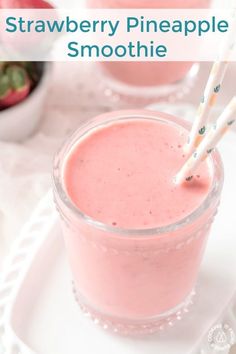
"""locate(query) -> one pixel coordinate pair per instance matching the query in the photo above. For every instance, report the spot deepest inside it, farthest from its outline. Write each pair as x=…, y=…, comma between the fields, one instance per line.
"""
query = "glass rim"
x=60, y=191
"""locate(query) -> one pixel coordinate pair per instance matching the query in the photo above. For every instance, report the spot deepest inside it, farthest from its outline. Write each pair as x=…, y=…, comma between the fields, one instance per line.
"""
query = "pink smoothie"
x=148, y=73
x=122, y=175
x=132, y=255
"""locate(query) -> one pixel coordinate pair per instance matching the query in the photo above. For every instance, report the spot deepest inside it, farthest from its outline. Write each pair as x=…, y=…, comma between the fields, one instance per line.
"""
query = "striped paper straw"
x=210, y=141
x=212, y=90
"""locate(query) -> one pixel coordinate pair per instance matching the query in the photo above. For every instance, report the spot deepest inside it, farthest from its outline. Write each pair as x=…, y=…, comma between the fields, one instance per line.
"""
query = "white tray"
x=38, y=313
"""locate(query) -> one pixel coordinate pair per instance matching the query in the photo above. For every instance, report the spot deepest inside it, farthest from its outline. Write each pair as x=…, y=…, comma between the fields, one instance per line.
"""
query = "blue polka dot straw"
x=208, y=144
x=212, y=90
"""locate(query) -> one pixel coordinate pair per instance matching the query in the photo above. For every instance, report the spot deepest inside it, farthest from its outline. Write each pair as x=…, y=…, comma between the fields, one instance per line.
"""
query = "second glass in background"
x=144, y=82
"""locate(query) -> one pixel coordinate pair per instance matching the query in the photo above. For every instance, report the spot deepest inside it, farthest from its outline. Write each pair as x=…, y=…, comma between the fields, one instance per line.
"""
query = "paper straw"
x=212, y=90
x=225, y=121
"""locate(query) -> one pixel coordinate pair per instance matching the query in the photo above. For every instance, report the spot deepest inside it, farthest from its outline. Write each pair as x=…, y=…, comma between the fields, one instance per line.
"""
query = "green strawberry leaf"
x=32, y=70
x=17, y=76
x=5, y=86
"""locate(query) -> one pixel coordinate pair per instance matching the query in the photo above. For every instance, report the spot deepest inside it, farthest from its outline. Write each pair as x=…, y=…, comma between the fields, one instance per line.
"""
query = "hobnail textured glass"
x=134, y=281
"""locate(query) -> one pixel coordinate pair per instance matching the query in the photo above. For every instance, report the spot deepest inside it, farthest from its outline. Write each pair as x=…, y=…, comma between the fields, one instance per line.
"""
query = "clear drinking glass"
x=143, y=82
x=134, y=281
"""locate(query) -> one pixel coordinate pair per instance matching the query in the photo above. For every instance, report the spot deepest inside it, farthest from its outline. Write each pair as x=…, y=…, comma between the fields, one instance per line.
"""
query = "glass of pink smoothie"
x=134, y=238
x=147, y=81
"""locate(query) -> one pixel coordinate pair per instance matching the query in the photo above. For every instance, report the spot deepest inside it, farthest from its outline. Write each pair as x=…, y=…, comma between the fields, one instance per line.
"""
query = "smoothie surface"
x=122, y=175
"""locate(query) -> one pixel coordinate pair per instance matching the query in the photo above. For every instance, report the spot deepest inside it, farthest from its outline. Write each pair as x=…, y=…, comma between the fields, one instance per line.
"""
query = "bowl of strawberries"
x=23, y=87
x=23, y=90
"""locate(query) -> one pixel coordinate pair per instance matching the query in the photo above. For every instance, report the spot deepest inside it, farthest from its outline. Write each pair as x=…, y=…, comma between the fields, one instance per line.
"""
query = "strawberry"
x=15, y=85
x=30, y=44
x=25, y=4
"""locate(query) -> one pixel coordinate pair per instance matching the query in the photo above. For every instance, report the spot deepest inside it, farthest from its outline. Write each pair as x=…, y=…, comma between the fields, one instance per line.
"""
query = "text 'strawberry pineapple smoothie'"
x=147, y=74
x=134, y=238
